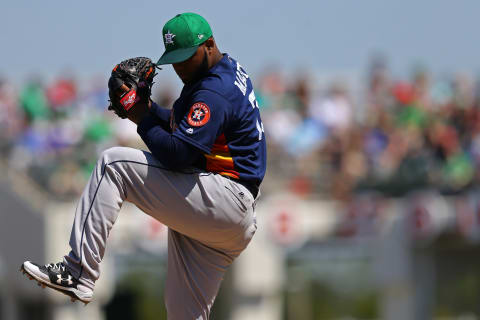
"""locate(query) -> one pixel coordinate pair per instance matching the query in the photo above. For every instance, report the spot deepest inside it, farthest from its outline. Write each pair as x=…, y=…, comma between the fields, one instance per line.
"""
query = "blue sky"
x=89, y=37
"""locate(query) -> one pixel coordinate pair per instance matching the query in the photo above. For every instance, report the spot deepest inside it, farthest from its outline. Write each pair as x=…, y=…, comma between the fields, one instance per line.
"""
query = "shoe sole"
x=43, y=284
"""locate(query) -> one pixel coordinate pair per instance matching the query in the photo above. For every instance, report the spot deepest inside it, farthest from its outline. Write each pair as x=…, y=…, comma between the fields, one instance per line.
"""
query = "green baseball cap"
x=182, y=35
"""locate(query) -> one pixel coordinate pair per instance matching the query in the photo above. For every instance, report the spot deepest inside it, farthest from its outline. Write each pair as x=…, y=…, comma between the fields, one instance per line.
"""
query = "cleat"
x=59, y=278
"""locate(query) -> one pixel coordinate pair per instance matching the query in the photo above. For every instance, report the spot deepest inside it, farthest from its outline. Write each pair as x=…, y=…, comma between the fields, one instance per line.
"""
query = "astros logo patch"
x=199, y=114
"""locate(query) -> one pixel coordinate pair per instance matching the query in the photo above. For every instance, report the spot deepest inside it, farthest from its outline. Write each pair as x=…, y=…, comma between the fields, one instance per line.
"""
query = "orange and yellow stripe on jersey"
x=220, y=160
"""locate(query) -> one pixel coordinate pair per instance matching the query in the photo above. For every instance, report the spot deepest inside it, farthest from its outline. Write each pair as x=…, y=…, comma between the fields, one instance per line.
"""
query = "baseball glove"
x=131, y=81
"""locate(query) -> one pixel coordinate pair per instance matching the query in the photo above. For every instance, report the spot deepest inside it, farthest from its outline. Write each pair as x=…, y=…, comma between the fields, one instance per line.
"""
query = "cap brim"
x=176, y=56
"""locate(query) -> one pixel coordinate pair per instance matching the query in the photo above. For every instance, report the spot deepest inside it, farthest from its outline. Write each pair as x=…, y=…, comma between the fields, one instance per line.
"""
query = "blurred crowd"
x=55, y=131
x=392, y=135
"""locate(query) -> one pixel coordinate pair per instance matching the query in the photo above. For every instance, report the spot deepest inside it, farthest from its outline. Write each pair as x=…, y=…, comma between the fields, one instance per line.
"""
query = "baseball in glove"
x=131, y=81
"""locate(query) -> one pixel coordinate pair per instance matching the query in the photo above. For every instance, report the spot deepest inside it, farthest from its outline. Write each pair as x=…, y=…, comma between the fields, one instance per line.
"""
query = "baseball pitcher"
x=201, y=177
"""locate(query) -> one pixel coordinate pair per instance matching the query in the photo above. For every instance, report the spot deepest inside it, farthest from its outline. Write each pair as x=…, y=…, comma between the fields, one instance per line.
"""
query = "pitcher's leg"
x=95, y=215
x=194, y=274
x=123, y=174
x=198, y=205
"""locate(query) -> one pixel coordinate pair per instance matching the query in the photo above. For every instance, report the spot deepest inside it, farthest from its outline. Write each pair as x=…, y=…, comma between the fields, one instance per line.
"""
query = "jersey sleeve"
x=171, y=152
x=162, y=114
x=204, y=120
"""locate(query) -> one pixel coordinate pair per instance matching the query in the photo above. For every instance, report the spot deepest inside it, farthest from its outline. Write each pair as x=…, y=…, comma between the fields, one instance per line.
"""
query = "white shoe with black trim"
x=56, y=276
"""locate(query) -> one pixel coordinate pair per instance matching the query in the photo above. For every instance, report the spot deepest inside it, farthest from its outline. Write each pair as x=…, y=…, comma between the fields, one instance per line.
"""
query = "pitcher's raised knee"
x=114, y=154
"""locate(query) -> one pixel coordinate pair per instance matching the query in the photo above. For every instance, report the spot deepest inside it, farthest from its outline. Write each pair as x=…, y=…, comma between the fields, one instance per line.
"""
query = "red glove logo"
x=129, y=99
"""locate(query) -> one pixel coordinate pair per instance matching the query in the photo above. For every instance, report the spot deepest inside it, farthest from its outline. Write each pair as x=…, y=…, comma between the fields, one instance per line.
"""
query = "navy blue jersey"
x=219, y=115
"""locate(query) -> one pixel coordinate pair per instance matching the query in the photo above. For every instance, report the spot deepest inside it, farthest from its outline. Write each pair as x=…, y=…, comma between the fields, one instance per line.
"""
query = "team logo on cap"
x=169, y=37
x=199, y=114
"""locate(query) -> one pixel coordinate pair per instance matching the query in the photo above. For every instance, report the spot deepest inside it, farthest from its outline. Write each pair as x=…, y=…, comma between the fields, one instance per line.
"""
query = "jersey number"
x=254, y=103
x=253, y=100
x=260, y=129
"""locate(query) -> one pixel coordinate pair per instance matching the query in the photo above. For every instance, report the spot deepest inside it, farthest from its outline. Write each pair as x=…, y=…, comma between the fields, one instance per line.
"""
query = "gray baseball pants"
x=210, y=222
